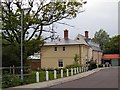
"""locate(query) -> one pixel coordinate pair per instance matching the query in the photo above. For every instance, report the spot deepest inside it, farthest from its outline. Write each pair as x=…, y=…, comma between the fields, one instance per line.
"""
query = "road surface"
x=106, y=78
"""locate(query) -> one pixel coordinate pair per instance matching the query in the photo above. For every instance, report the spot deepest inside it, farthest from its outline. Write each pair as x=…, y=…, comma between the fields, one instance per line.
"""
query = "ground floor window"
x=60, y=63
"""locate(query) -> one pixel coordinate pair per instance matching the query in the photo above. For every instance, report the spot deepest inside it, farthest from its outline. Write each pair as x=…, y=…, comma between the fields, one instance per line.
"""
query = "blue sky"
x=98, y=14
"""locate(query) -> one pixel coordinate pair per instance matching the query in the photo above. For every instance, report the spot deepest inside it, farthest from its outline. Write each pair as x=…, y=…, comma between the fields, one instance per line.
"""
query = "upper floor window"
x=63, y=48
x=55, y=49
x=78, y=38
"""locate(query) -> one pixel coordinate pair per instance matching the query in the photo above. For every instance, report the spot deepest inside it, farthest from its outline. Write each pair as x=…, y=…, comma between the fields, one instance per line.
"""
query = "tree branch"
x=33, y=33
x=41, y=29
x=6, y=38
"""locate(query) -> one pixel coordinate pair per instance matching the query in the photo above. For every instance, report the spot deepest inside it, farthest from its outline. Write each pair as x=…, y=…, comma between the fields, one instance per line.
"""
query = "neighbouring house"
x=87, y=55
x=93, y=49
x=112, y=59
x=96, y=51
x=35, y=61
x=60, y=53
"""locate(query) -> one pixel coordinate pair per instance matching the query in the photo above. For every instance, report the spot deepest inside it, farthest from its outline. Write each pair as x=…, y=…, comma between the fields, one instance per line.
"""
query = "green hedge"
x=72, y=66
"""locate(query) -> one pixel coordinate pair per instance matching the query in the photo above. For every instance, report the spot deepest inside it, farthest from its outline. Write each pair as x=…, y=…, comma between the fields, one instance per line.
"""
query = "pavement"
x=46, y=84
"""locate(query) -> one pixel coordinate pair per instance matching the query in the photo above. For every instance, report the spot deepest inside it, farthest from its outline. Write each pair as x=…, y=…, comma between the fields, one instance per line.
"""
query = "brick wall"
x=35, y=64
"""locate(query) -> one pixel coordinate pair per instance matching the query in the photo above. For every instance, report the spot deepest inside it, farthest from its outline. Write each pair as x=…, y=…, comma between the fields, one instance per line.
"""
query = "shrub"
x=92, y=65
x=100, y=65
x=10, y=81
x=72, y=66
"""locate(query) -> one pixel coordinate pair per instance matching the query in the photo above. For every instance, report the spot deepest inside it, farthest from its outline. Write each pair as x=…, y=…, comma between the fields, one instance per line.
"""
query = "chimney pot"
x=86, y=34
x=65, y=34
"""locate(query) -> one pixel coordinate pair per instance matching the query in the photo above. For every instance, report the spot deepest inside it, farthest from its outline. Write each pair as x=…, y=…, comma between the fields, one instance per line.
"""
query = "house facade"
x=60, y=53
x=96, y=51
x=87, y=49
x=93, y=49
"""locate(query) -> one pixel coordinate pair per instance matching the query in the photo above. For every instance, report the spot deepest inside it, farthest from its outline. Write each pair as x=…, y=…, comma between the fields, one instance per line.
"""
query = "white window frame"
x=60, y=63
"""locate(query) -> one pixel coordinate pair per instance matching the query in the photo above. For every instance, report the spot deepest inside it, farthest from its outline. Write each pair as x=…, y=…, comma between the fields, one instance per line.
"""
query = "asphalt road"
x=106, y=78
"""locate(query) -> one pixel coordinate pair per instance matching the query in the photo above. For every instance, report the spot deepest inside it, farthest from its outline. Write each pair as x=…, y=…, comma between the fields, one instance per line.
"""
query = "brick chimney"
x=86, y=34
x=65, y=34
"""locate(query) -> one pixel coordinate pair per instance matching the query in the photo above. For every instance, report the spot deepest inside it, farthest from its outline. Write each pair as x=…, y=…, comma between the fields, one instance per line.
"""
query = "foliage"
x=72, y=66
x=100, y=65
x=112, y=46
x=11, y=53
x=76, y=59
x=46, y=13
x=101, y=37
x=75, y=64
x=10, y=81
x=92, y=65
x=30, y=17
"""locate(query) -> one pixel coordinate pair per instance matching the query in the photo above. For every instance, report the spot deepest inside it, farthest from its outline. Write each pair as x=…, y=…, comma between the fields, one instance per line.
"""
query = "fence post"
x=97, y=65
x=67, y=72
x=74, y=70
x=77, y=70
x=10, y=70
x=47, y=75
x=107, y=64
x=61, y=73
x=84, y=68
x=55, y=74
x=80, y=69
x=103, y=65
x=110, y=65
x=71, y=71
x=87, y=67
x=37, y=77
x=13, y=69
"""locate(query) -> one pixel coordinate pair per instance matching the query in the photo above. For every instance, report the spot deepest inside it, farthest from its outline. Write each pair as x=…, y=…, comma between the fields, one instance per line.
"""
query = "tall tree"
x=11, y=53
x=37, y=14
x=101, y=37
x=30, y=17
x=112, y=46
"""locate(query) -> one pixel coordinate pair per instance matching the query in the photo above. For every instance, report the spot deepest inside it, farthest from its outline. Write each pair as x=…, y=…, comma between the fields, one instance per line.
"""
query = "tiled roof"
x=111, y=56
x=79, y=40
x=63, y=42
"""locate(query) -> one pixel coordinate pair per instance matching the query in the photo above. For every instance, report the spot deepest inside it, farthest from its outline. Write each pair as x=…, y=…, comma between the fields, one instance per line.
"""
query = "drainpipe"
x=87, y=56
x=80, y=54
x=98, y=57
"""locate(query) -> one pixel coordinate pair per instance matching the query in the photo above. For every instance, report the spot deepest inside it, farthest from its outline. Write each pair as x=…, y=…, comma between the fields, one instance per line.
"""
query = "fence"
x=11, y=75
x=68, y=72
x=16, y=70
